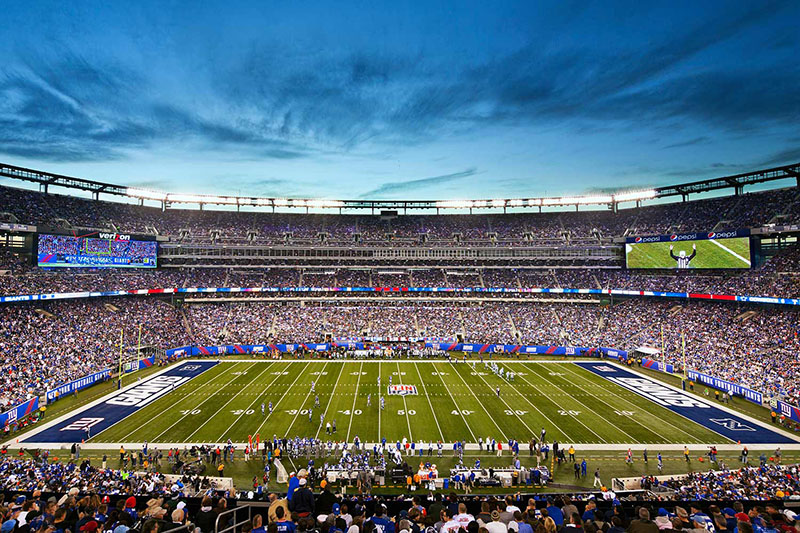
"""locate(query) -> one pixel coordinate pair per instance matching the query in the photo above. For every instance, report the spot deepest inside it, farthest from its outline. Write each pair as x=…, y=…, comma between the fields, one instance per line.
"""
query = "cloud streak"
x=416, y=185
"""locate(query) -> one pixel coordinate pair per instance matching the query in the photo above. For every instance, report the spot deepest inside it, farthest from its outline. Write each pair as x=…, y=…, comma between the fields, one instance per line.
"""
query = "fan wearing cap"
x=663, y=521
x=130, y=508
x=294, y=483
x=730, y=518
x=90, y=526
x=302, y=501
x=496, y=526
x=326, y=499
x=8, y=526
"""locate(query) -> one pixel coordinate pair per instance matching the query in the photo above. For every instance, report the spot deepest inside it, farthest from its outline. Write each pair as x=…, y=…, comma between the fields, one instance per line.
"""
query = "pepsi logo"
x=712, y=235
x=637, y=239
x=673, y=237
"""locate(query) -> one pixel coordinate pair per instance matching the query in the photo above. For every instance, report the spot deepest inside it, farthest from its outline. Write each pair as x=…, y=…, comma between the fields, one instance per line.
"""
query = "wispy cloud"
x=417, y=185
x=691, y=142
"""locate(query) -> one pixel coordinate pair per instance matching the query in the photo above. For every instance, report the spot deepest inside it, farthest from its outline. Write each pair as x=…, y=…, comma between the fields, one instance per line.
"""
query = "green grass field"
x=722, y=253
x=454, y=402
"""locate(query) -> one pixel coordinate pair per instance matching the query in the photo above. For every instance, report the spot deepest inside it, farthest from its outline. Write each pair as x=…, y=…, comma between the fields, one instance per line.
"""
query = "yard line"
x=330, y=399
x=633, y=439
x=252, y=403
x=422, y=381
x=542, y=413
x=228, y=402
x=458, y=407
x=477, y=400
x=275, y=407
x=305, y=400
x=405, y=405
x=734, y=254
x=505, y=403
x=379, y=404
x=633, y=405
x=355, y=397
x=234, y=376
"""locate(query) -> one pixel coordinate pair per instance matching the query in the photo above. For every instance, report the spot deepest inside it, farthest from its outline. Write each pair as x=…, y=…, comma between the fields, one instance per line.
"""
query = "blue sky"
x=415, y=100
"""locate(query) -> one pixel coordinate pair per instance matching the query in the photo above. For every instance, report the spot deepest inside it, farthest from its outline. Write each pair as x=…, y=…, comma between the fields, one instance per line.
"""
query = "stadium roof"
x=736, y=182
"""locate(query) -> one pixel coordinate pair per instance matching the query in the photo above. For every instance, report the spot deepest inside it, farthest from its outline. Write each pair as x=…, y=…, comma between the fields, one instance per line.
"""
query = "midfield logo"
x=403, y=390
x=731, y=424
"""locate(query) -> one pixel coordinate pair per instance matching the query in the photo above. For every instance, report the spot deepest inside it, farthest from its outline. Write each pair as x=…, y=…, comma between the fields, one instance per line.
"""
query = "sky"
x=399, y=100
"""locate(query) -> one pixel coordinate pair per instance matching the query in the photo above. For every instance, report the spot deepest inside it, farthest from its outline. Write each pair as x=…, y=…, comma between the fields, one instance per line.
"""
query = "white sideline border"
x=13, y=444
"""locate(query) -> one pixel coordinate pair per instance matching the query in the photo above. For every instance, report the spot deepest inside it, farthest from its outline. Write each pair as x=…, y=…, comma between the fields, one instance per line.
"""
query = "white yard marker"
x=267, y=367
x=425, y=390
x=258, y=397
x=734, y=254
x=181, y=418
x=330, y=401
x=355, y=397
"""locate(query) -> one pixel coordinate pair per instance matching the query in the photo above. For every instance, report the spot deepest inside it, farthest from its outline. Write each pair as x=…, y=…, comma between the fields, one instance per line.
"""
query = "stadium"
x=513, y=268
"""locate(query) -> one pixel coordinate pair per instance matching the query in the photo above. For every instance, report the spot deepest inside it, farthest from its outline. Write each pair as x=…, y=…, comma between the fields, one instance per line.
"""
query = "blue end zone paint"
x=706, y=414
x=120, y=404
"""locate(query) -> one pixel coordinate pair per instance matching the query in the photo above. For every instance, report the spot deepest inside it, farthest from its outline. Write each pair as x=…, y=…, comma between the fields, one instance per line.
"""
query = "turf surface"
x=722, y=253
x=454, y=402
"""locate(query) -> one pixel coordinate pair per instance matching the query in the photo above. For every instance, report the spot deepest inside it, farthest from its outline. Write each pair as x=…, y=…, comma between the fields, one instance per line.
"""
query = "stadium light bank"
x=202, y=199
x=45, y=180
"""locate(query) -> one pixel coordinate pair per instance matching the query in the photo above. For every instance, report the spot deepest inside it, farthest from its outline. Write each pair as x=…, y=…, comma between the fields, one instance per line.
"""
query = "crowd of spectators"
x=89, y=498
x=45, y=345
x=779, y=277
x=50, y=343
x=768, y=481
x=237, y=227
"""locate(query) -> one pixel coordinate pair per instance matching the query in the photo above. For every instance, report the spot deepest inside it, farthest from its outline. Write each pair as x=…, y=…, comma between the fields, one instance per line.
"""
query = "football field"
x=712, y=253
x=573, y=401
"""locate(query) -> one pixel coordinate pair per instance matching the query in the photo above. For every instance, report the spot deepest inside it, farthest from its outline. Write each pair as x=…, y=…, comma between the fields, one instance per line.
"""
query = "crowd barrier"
x=68, y=388
x=652, y=364
x=233, y=349
x=734, y=389
x=730, y=387
x=460, y=290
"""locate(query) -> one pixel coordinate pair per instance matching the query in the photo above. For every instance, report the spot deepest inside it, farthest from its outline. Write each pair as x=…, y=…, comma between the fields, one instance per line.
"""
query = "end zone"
x=734, y=426
x=101, y=414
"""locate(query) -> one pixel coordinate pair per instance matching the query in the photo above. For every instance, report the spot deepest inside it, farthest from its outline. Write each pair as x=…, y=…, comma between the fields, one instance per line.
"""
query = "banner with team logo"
x=789, y=411
x=727, y=386
x=577, y=351
x=18, y=412
x=68, y=388
x=652, y=364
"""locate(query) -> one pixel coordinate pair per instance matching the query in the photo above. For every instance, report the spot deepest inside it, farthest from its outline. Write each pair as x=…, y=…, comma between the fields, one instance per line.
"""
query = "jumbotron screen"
x=693, y=250
x=103, y=250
